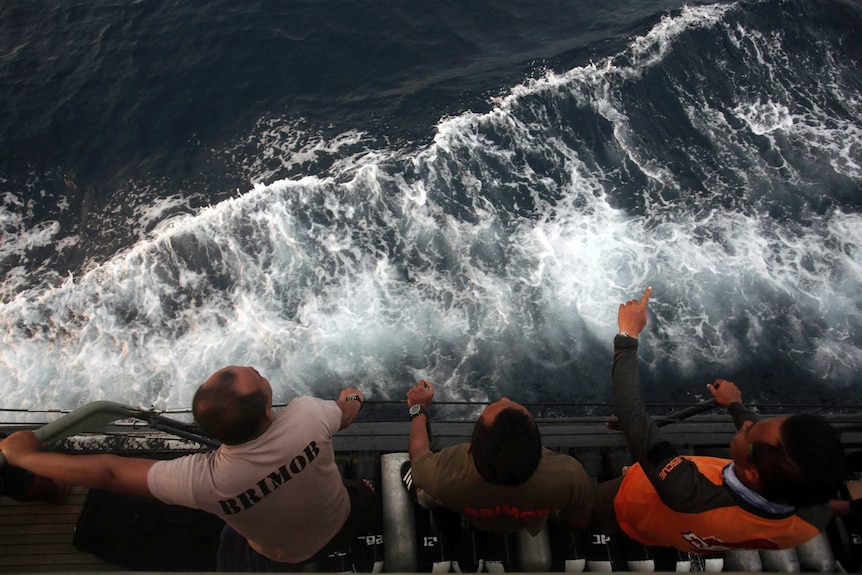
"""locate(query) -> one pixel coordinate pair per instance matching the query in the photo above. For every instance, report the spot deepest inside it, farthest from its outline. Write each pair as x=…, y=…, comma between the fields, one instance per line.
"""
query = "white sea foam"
x=503, y=244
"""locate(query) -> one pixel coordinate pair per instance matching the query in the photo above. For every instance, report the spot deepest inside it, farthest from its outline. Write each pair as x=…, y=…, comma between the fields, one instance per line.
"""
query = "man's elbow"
x=106, y=479
x=124, y=477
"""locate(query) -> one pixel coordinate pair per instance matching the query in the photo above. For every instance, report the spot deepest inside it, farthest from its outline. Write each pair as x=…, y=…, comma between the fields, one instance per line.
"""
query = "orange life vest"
x=642, y=515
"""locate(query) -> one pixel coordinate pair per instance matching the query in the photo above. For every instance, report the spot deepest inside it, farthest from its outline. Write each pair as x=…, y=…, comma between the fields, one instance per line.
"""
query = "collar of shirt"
x=750, y=496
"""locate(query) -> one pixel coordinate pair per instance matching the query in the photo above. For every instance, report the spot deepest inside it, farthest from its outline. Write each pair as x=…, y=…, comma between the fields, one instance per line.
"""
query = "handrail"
x=680, y=415
x=94, y=415
x=853, y=408
x=687, y=412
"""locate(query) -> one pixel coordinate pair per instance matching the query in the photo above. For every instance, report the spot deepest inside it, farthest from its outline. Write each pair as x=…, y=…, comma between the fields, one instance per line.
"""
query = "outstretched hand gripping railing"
x=94, y=415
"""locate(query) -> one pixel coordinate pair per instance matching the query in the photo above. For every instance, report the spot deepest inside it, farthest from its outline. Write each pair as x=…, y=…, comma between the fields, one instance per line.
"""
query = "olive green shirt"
x=559, y=483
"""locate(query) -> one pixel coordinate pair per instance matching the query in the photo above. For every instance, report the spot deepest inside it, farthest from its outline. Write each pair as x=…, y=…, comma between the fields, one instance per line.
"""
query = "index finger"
x=645, y=298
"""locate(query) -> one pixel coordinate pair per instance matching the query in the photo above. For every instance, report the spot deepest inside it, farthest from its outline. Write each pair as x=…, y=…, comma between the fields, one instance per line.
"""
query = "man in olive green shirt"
x=503, y=480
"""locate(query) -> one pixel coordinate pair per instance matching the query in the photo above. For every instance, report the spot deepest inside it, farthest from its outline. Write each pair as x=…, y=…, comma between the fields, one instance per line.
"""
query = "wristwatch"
x=416, y=410
x=354, y=397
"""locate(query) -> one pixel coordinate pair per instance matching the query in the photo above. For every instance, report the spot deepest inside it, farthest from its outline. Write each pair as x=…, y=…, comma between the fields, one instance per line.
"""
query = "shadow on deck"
x=37, y=537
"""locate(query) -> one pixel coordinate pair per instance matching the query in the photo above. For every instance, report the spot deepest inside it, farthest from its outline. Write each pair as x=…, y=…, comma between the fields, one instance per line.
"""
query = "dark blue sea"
x=368, y=193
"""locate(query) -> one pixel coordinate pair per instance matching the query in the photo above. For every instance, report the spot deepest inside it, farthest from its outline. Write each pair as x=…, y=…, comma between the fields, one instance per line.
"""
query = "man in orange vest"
x=773, y=494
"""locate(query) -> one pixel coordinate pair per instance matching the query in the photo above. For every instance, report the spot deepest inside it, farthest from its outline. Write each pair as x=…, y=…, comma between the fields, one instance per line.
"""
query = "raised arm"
x=677, y=480
x=640, y=430
x=350, y=401
x=118, y=474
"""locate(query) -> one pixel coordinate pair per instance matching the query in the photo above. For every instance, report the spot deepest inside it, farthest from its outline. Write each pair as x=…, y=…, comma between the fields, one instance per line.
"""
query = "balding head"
x=234, y=405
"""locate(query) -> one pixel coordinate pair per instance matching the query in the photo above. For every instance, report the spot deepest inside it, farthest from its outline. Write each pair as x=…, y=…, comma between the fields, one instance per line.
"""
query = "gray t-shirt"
x=282, y=491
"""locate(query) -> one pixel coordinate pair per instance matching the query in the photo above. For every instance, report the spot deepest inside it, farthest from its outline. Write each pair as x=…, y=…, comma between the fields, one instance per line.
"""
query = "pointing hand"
x=632, y=316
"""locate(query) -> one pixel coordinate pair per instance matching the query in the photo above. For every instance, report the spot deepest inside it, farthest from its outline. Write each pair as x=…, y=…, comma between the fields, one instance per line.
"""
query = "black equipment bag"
x=144, y=534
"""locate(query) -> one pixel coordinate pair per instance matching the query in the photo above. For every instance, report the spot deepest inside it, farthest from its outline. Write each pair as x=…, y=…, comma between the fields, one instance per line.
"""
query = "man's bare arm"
x=420, y=394
x=118, y=474
x=349, y=407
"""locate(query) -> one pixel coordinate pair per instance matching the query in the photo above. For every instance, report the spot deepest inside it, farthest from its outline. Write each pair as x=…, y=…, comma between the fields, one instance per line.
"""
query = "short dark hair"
x=808, y=465
x=506, y=452
x=224, y=413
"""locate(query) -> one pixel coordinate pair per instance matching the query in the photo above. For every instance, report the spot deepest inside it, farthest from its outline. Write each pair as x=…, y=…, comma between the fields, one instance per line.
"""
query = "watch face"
x=415, y=409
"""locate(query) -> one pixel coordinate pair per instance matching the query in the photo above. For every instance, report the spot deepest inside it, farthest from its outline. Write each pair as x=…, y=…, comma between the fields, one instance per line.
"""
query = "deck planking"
x=38, y=537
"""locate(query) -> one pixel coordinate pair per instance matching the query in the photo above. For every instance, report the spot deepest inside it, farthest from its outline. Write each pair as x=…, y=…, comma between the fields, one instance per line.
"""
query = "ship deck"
x=38, y=537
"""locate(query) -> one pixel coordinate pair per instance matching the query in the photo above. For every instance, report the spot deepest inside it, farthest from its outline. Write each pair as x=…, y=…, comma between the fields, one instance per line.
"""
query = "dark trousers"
x=235, y=554
x=604, y=516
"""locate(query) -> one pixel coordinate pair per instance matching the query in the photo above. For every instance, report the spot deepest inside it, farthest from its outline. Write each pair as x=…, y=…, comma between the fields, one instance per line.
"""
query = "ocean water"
x=366, y=193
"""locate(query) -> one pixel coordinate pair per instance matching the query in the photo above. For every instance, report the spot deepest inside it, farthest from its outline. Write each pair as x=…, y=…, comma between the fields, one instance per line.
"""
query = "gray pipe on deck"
x=400, y=549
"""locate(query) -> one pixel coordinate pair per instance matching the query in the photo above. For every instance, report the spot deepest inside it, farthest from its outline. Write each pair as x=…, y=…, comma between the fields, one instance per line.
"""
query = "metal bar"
x=99, y=413
x=674, y=417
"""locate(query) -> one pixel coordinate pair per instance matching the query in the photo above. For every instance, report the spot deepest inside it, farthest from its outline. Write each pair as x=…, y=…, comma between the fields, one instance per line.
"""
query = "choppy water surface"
x=400, y=193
